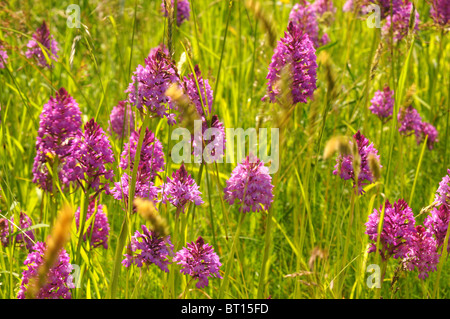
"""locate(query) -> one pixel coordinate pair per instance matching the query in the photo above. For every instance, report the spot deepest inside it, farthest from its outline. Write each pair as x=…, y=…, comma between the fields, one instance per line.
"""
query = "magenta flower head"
x=149, y=84
x=429, y=130
x=59, y=122
x=192, y=91
x=58, y=281
x=400, y=22
x=422, y=253
x=320, y=7
x=440, y=12
x=303, y=15
x=215, y=141
x=410, y=121
x=344, y=166
x=91, y=154
x=296, y=52
x=183, y=10
x=148, y=248
x=7, y=228
x=3, y=57
x=366, y=6
x=121, y=114
x=199, y=261
x=398, y=230
x=180, y=190
x=144, y=188
x=42, y=36
x=437, y=224
x=98, y=230
x=250, y=185
x=151, y=161
x=383, y=103
x=443, y=192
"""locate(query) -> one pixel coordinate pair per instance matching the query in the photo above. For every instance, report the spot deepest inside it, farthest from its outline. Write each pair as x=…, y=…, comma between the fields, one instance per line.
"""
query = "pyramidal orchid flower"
x=440, y=12
x=383, y=103
x=250, y=185
x=410, y=121
x=199, y=261
x=91, y=156
x=295, y=55
x=205, y=98
x=183, y=10
x=8, y=227
x=422, y=255
x=144, y=188
x=3, y=57
x=151, y=160
x=437, y=224
x=149, y=84
x=43, y=37
x=400, y=22
x=120, y=115
x=180, y=190
x=59, y=281
x=427, y=129
x=98, y=230
x=59, y=123
x=345, y=163
x=148, y=248
x=397, y=232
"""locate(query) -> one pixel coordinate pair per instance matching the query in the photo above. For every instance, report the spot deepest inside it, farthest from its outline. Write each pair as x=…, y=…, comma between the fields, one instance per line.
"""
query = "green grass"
x=315, y=247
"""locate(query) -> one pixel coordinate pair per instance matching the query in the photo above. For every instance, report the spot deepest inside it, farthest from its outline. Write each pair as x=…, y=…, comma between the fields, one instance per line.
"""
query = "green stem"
x=262, y=278
x=124, y=231
x=224, y=285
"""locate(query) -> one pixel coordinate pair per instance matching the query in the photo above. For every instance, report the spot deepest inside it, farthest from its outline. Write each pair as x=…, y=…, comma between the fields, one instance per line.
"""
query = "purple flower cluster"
x=183, y=10
x=251, y=185
x=98, y=230
x=59, y=122
x=59, y=281
x=397, y=232
x=422, y=253
x=411, y=122
x=180, y=190
x=199, y=261
x=119, y=114
x=400, y=22
x=344, y=166
x=147, y=248
x=365, y=6
x=23, y=238
x=143, y=189
x=150, y=82
x=192, y=91
x=383, y=103
x=295, y=51
x=215, y=148
x=42, y=36
x=3, y=57
x=400, y=238
x=320, y=7
x=151, y=161
x=443, y=192
x=90, y=153
x=437, y=222
x=440, y=12
x=303, y=15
